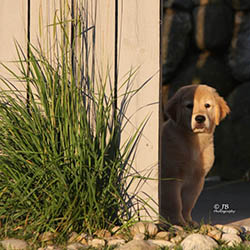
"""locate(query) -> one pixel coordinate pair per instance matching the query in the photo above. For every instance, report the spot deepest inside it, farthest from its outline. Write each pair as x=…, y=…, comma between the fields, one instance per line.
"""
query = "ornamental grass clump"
x=62, y=165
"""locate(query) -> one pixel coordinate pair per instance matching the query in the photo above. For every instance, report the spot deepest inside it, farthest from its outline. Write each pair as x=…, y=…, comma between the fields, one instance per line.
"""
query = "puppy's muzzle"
x=200, y=119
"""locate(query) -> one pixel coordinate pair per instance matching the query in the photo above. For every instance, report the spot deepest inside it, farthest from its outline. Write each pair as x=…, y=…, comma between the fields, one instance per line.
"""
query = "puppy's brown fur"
x=187, y=148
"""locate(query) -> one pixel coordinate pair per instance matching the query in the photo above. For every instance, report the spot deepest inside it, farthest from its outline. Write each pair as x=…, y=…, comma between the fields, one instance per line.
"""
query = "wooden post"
x=13, y=27
x=139, y=49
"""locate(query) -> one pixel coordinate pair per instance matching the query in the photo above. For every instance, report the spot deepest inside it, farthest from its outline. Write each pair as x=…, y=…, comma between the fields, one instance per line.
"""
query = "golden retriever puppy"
x=187, y=149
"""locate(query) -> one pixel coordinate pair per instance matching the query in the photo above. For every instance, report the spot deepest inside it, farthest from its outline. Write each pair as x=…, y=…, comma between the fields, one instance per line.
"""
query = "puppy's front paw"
x=179, y=222
x=193, y=224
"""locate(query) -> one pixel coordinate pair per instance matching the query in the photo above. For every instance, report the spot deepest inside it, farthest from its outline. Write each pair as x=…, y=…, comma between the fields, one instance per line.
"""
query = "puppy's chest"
x=202, y=159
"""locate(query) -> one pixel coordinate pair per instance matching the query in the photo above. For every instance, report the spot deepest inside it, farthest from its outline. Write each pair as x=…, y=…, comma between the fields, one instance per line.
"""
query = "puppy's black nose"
x=200, y=118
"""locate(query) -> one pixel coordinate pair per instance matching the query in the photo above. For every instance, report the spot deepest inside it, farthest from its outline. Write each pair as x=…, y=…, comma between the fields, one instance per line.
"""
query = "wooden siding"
x=137, y=23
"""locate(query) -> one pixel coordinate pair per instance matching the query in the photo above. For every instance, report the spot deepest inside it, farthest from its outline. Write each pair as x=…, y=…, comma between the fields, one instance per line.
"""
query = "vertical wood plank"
x=105, y=30
x=13, y=27
x=139, y=48
x=99, y=16
x=42, y=28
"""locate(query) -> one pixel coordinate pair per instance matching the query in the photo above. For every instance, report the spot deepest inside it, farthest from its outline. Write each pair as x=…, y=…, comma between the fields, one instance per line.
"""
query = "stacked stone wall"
x=208, y=42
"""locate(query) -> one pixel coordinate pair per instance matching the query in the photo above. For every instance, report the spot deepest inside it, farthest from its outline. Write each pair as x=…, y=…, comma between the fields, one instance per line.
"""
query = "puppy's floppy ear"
x=221, y=109
x=171, y=107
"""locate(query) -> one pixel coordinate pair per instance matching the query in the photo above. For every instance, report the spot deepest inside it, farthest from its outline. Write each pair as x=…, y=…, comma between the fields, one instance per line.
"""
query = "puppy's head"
x=197, y=108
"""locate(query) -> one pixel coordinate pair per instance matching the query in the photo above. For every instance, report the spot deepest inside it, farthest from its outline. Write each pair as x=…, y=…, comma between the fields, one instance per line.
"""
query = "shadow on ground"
x=224, y=203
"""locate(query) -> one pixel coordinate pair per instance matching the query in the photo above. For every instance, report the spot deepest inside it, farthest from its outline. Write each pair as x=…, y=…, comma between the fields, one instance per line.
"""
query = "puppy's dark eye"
x=190, y=105
x=207, y=105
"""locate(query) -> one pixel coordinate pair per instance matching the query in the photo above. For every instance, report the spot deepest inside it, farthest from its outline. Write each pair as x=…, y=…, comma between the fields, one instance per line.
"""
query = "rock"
x=97, y=243
x=179, y=4
x=228, y=229
x=138, y=245
x=14, y=244
x=72, y=238
x=163, y=235
x=139, y=227
x=206, y=228
x=241, y=4
x=203, y=68
x=151, y=229
x=162, y=243
x=213, y=26
x=116, y=242
x=215, y=234
x=50, y=248
x=246, y=243
x=246, y=228
x=75, y=237
x=47, y=236
x=176, y=228
x=198, y=242
x=115, y=229
x=82, y=238
x=103, y=233
x=76, y=246
x=176, y=30
x=238, y=228
x=239, y=53
x=176, y=240
x=83, y=241
x=53, y=248
x=122, y=235
x=182, y=234
x=231, y=239
x=139, y=236
x=207, y=2
x=232, y=164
